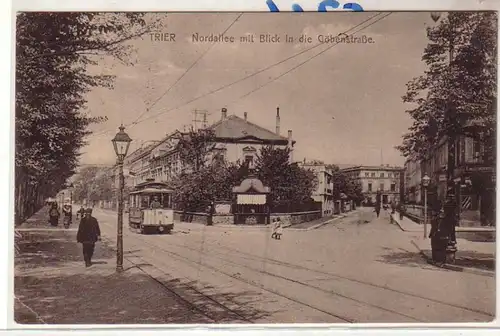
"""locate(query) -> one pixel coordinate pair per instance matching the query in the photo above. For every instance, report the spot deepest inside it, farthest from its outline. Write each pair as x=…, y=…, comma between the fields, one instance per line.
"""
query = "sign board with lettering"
x=223, y=208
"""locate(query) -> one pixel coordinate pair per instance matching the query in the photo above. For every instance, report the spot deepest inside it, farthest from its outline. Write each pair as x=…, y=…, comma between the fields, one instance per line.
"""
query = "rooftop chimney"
x=245, y=115
x=224, y=113
x=277, y=120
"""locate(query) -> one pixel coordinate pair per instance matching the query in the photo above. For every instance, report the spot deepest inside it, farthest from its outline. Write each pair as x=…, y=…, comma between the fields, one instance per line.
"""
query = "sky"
x=343, y=106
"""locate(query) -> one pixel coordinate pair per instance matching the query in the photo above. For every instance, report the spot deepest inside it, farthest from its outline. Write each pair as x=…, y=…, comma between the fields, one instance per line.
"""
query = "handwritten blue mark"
x=272, y=6
x=327, y=3
x=353, y=6
x=321, y=6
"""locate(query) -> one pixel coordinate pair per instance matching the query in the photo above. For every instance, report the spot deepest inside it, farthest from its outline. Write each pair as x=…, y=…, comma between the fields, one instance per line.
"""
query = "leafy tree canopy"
x=288, y=182
x=470, y=79
x=53, y=55
x=94, y=183
x=195, y=147
x=345, y=184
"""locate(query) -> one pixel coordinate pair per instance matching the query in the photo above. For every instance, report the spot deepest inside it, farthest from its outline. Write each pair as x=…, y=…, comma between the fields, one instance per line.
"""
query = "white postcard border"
x=6, y=239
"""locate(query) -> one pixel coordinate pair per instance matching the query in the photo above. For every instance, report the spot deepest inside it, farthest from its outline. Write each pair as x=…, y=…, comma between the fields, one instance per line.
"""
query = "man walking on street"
x=88, y=233
x=378, y=201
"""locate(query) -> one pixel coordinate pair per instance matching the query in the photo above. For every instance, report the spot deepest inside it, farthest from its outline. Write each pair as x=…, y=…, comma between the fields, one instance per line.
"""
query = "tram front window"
x=167, y=204
x=155, y=203
x=144, y=201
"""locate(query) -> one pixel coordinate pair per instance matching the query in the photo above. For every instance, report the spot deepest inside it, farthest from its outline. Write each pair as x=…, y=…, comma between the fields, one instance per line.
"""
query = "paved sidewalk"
x=407, y=224
x=53, y=286
x=472, y=256
x=320, y=222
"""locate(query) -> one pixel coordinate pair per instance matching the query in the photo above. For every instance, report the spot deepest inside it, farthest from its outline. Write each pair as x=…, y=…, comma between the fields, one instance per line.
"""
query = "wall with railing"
x=287, y=219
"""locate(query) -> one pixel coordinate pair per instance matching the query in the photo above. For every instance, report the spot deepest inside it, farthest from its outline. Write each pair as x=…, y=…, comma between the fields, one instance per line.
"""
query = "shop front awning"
x=251, y=199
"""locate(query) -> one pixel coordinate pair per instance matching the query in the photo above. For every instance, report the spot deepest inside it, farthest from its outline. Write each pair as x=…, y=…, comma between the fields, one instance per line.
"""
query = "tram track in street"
x=192, y=305
x=250, y=256
x=252, y=283
x=232, y=276
x=331, y=293
x=211, y=253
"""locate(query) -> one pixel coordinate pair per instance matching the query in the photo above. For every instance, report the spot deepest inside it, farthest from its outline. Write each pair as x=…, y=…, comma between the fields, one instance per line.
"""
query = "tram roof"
x=152, y=191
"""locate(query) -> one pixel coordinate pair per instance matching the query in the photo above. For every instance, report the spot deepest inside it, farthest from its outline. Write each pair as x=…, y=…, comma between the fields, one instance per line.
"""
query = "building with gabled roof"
x=239, y=140
x=236, y=140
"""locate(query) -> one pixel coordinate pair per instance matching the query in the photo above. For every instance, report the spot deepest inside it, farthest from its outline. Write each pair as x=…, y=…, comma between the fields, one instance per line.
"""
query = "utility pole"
x=196, y=114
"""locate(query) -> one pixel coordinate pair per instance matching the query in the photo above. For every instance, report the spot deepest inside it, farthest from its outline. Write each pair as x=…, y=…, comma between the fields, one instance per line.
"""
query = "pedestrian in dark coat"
x=54, y=215
x=80, y=213
x=378, y=201
x=88, y=233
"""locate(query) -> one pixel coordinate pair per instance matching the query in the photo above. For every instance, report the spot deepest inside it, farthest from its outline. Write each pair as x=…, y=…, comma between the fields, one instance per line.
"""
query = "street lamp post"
x=425, y=183
x=450, y=202
x=121, y=143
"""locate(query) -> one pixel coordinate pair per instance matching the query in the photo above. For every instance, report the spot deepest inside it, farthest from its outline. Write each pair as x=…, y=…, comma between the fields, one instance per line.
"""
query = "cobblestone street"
x=355, y=269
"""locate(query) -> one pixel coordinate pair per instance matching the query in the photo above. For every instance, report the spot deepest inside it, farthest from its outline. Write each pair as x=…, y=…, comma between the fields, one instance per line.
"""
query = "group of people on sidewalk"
x=89, y=231
x=54, y=214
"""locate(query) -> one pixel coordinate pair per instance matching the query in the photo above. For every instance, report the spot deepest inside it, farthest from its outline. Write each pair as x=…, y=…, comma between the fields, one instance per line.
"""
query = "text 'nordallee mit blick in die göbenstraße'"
x=277, y=38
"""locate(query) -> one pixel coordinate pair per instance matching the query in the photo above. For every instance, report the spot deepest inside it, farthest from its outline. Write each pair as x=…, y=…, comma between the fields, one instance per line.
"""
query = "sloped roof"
x=234, y=127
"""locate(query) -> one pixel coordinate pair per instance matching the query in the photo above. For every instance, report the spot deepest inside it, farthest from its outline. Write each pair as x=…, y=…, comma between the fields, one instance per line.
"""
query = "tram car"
x=150, y=208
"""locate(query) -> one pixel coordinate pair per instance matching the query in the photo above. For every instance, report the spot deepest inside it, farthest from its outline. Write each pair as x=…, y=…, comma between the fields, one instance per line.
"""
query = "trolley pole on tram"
x=121, y=143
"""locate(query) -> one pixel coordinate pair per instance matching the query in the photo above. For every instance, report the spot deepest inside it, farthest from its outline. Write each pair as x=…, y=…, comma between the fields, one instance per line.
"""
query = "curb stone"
x=393, y=220
x=453, y=267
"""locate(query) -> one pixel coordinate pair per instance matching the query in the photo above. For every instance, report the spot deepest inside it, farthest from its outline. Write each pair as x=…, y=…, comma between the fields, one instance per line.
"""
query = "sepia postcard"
x=252, y=168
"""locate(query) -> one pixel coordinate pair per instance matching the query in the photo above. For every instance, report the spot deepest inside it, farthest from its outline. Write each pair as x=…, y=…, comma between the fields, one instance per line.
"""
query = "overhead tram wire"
x=135, y=122
x=307, y=60
x=185, y=73
x=255, y=73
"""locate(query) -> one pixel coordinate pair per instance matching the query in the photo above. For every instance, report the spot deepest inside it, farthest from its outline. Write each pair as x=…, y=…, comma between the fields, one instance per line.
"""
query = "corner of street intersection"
x=353, y=269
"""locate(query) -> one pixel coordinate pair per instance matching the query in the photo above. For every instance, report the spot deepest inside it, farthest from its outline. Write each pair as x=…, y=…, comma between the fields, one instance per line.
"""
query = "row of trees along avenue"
x=54, y=52
x=466, y=85
x=95, y=183
x=211, y=178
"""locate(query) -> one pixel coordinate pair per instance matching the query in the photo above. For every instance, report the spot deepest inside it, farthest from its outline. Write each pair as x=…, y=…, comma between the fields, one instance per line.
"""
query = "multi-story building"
x=136, y=164
x=474, y=177
x=324, y=189
x=236, y=140
x=413, y=181
x=385, y=179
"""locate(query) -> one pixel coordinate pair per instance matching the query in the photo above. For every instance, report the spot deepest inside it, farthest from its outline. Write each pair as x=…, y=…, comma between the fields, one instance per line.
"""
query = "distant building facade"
x=324, y=189
x=375, y=178
x=413, y=181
